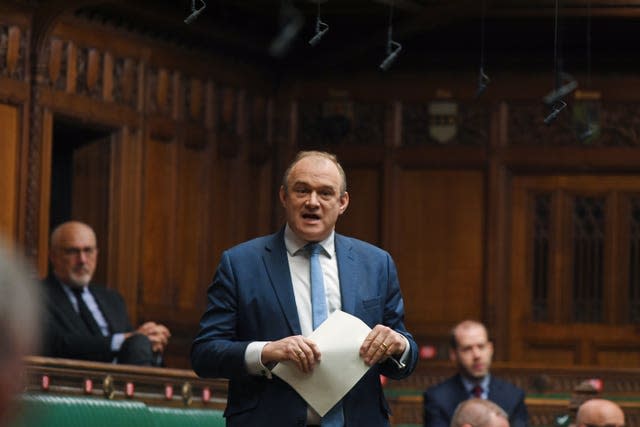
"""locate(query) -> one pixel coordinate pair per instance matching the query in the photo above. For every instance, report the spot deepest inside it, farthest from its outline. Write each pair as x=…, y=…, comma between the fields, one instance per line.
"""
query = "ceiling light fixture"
x=194, y=12
x=321, y=29
x=393, y=48
x=564, y=83
x=483, y=79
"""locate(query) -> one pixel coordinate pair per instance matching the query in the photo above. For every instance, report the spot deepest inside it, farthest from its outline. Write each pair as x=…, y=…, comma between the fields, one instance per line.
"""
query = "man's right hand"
x=298, y=349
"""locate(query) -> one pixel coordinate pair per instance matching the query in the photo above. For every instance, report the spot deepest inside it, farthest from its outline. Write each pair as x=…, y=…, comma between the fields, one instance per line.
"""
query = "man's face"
x=74, y=254
x=473, y=353
x=313, y=201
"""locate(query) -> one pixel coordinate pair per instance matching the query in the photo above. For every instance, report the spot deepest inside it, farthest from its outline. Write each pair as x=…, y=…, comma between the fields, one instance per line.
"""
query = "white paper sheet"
x=339, y=339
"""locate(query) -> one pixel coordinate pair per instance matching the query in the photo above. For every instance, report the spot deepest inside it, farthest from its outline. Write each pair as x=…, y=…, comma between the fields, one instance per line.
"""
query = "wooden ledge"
x=151, y=385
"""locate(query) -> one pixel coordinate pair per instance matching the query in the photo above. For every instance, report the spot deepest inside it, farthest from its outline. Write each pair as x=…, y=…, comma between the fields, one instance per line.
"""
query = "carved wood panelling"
x=620, y=125
x=340, y=122
x=89, y=72
x=614, y=125
x=125, y=78
x=526, y=126
x=13, y=52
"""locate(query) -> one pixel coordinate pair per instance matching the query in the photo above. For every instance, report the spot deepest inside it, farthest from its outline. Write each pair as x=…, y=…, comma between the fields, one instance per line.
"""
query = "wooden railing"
x=551, y=391
x=153, y=386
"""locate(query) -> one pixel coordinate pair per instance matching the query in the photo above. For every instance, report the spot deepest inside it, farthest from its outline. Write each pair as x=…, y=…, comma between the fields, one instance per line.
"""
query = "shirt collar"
x=70, y=288
x=484, y=383
x=295, y=244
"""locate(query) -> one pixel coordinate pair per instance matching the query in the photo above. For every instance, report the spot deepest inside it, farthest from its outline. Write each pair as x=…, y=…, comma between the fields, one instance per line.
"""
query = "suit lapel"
x=60, y=298
x=347, y=272
x=277, y=266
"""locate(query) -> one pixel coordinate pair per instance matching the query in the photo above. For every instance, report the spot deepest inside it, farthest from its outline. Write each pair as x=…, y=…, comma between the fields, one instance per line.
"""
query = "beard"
x=81, y=277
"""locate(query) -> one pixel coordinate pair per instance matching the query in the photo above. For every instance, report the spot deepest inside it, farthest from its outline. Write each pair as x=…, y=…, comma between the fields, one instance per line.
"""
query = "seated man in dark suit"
x=472, y=352
x=90, y=322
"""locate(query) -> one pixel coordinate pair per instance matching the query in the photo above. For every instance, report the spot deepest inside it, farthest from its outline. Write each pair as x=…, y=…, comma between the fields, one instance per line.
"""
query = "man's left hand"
x=381, y=343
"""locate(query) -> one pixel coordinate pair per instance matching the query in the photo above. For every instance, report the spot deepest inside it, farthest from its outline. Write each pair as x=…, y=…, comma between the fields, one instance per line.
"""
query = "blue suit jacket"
x=251, y=299
x=441, y=400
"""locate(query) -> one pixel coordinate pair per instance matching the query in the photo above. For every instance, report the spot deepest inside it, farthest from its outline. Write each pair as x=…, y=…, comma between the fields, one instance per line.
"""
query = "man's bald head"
x=479, y=413
x=601, y=413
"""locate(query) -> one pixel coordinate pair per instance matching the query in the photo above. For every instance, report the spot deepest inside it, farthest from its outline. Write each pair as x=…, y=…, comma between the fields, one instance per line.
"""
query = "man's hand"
x=381, y=343
x=300, y=350
x=157, y=333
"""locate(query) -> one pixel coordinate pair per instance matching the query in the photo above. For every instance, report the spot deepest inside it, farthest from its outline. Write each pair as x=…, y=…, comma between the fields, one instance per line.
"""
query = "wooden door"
x=575, y=287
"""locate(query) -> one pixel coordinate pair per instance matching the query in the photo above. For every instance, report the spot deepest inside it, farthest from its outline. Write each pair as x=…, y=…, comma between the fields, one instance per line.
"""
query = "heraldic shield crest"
x=443, y=121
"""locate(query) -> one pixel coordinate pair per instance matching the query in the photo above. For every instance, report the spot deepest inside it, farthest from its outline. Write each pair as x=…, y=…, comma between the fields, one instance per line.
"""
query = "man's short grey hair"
x=322, y=154
x=477, y=413
x=20, y=306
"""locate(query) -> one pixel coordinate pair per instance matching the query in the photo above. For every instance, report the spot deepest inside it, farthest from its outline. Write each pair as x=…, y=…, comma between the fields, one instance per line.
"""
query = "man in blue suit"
x=472, y=352
x=259, y=308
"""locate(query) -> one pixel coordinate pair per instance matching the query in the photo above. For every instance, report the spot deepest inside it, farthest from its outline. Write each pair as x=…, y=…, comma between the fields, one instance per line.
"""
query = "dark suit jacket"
x=251, y=299
x=66, y=335
x=441, y=400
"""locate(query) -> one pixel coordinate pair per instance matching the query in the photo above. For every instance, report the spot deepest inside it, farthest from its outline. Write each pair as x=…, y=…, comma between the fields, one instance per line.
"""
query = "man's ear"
x=452, y=355
x=344, y=202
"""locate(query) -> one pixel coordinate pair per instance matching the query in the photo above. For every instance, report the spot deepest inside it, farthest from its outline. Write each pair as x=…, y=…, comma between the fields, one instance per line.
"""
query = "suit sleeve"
x=520, y=415
x=394, y=319
x=434, y=414
x=216, y=352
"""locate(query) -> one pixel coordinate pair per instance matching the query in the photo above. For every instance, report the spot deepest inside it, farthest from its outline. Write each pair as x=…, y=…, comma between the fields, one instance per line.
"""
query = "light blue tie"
x=318, y=298
x=335, y=417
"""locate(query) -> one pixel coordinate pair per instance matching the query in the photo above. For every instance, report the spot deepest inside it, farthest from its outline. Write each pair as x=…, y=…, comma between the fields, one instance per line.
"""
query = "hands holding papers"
x=339, y=340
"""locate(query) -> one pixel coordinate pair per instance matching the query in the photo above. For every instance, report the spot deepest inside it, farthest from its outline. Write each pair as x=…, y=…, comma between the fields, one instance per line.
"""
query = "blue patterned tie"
x=335, y=417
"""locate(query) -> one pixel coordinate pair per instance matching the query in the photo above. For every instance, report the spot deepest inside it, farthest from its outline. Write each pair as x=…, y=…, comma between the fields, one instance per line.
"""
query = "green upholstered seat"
x=40, y=410
x=177, y=417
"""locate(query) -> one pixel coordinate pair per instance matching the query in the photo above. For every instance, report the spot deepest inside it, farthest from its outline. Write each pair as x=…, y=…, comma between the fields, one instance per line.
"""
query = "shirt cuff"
x=253, y=359
x=116, y=342
x=401, y=363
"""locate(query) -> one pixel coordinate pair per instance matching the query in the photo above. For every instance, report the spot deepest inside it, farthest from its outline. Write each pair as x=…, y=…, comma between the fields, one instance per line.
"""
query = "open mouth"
x=311, y=217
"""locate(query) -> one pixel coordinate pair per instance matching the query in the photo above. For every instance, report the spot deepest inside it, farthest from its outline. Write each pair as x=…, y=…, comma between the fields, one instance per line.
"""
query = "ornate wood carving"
x=340, y=122
x=616, y=124
x=12, y=52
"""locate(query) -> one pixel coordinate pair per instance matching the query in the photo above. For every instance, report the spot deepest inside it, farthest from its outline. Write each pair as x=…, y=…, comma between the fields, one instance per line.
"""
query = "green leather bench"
x=42, y=410
x=175, y=417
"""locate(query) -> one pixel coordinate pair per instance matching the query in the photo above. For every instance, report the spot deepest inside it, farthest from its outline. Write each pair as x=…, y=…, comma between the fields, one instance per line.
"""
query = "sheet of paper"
x=339, y=339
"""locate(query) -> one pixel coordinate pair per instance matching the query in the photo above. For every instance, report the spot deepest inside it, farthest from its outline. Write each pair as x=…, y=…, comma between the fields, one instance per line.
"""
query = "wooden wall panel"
x=158, y=224
x=9, y=140
x=90, y=195
x=439, y=240
x=191, y=228
x=362, y=217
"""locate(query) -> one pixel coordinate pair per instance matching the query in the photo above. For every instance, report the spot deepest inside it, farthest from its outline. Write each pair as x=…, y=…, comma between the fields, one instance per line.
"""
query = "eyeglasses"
x=73, y=251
